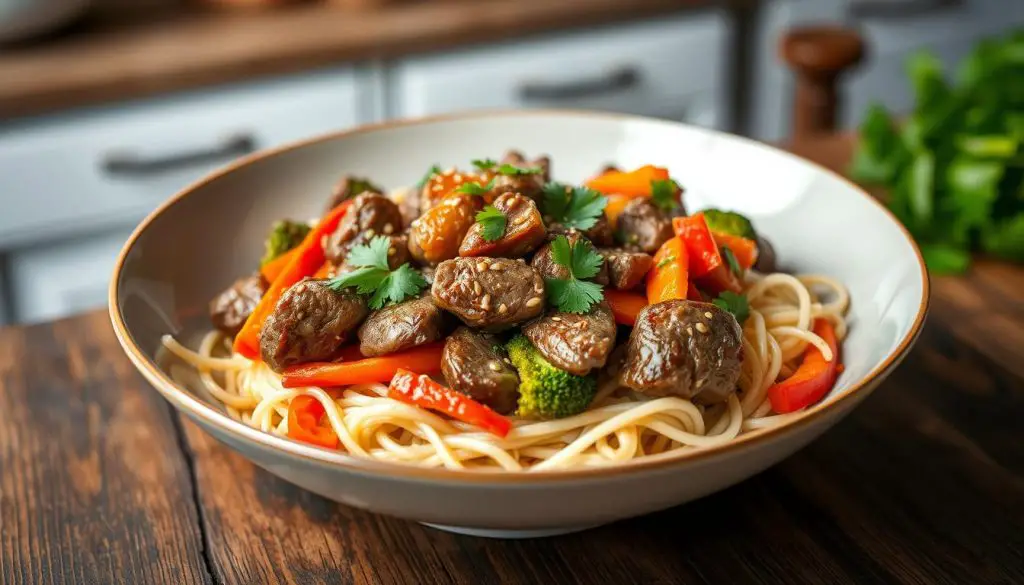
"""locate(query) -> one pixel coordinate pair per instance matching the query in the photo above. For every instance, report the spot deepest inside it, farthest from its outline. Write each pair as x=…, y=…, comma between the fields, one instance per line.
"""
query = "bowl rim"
x=196, y=408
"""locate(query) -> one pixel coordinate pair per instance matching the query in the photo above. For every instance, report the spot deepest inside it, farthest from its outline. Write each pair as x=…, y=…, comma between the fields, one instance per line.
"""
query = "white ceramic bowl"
x=207, y=235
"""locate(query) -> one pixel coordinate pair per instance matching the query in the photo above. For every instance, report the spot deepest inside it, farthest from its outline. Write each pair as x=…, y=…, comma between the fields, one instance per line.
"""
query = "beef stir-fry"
x=493, y=291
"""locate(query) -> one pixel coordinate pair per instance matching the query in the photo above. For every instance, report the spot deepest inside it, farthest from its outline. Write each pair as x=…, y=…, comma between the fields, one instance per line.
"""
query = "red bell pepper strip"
x=308, y=258
x=424, y=358
x=306, y=418
x=706, y=263
x=625, y=305
x=636, y=183
x=743, y=249
x=420, y=390
x=669, y=278
x=692, y=294
x=813, y=379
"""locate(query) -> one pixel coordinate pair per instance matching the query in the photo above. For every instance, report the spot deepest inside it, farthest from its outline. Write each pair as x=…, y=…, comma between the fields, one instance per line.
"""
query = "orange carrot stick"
x=425, y=359
x=625, y=305
x=669, y=279
x=636, y=183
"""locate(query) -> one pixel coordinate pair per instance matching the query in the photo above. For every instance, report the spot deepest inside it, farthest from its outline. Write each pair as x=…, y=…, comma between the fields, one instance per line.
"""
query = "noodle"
x=619, y=426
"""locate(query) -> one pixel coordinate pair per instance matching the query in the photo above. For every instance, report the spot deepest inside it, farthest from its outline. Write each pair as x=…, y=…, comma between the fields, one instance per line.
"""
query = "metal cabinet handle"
x=899, y=9
x=617, y=80
x=135, y=165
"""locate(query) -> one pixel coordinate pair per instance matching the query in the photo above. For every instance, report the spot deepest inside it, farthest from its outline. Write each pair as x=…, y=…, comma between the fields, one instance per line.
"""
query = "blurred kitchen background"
x=107, y=107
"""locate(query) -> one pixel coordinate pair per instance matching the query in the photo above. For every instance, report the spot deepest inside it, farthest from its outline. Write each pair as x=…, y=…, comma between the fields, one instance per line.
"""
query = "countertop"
x=101, y=481
x=133, y=53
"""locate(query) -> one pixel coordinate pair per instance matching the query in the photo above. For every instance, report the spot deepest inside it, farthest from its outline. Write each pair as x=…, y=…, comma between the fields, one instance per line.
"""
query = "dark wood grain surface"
x=100, y=482
x=123, y=54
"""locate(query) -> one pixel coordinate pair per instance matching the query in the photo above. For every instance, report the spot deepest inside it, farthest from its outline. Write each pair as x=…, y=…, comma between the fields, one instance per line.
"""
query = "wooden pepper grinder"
x=819, y=55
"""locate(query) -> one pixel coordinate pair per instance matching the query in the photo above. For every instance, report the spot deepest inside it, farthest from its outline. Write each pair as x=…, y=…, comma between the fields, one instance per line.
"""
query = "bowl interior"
x=818, y=222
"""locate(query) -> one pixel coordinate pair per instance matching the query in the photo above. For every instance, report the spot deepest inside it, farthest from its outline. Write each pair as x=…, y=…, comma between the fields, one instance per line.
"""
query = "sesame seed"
x=507, y=361
x=702, y=328
x=392, y=251
x=521, y=261
x=436, y=188
x=539, y=288
x=708, y=314
x=556, y=318
x=497, y=266
x=485, y=302
x=521, y=220
x=481, y=266
x=476, y=287
x=457, y=177
x=533, y=302
x=502, y=308
x=388, y=228
x=370, y=232
x=689, y=330
x=494, y=366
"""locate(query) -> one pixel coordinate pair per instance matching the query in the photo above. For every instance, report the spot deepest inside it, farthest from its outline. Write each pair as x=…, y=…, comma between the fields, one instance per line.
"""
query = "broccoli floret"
x=545, y=391
x=730, y=222
x=284, y=235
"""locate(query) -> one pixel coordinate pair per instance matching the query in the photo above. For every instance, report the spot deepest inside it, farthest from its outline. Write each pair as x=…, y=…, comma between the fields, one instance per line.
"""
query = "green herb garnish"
x=735, y=304
x=514, y=170
x=374, y=277
x=578, y=207
x=665, y=193
x=474, y=188
x=284, y=235
x=730, y=259
x=953, y=169
x=668, y=259
x=484, y=164
x=574, y=295
x=493, y=222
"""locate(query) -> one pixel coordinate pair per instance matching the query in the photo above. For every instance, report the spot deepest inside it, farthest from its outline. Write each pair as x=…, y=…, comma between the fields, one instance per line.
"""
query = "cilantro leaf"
x=730, y=259
x=493, y=222
x=513, y=170
x=484, y=164
x=578, y=207
x=734, y=303
x=664, y=193
x=573, y=295
x=474, y=188
x=434, y=170
x=372, y=275
x=668, y=259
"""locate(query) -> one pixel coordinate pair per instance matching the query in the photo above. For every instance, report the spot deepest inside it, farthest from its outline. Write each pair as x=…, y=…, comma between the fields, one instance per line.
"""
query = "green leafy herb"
x=668, y=259
x=573, y=294
x=374, y=277
x=730, y=259
x=493, y=222
x=484, y=164
x=578, y=207
x=514, y=170
x=954, y=168
x=434, y=170
x=665, y=193
x=734, y=303
x=474, y=188
x=284, y=235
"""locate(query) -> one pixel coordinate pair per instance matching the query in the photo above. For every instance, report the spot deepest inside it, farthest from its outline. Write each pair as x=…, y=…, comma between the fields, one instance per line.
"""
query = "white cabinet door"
x=49, y=282
x=674, y=68
x=78, y=173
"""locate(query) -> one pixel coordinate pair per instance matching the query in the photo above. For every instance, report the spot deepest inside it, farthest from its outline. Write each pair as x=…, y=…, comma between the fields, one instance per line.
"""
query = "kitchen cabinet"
x=675, y=68
x=74, y=185
x=893, y=31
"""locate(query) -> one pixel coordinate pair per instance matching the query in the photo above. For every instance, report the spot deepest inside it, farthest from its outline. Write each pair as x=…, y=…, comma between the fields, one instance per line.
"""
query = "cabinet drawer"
x=72, y=174
x=675, y=68
x=53, y=281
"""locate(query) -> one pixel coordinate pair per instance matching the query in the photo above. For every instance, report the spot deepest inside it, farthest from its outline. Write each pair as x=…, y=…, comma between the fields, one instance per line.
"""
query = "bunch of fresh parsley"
x=374, y=277
x=574, y=294
x=573, y=207
x=954, y=169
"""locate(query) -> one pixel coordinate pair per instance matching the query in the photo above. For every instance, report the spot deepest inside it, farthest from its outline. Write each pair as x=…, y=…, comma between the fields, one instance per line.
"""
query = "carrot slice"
x=669, y=279
x=745, y=250
x=272, y=269
x=626, y=306
x=305, y=423
x=308, y=258
x=425, y=358
x=636, y=183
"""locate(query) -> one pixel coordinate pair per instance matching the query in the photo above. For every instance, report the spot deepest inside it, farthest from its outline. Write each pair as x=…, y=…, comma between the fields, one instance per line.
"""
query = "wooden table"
x=102, y=482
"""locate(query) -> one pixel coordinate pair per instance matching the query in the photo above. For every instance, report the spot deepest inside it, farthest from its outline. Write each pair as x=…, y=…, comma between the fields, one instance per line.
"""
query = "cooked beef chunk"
x=398, y=251
x=491, y=294
x=348, y=187
x=309, y=323
x=436, y=235
x=545, y=265
x=515, y=157
x=428, y=274
x=524, y=230
x=572, y=342
x=765, y=256
x=600, y=234
x=529, y=185
x=643, y=227
x=626, y=270
x=474, y=363
x=684, y=348
x=401, y=326
x=408, y=202
x=370, y=214
x=230, y=309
